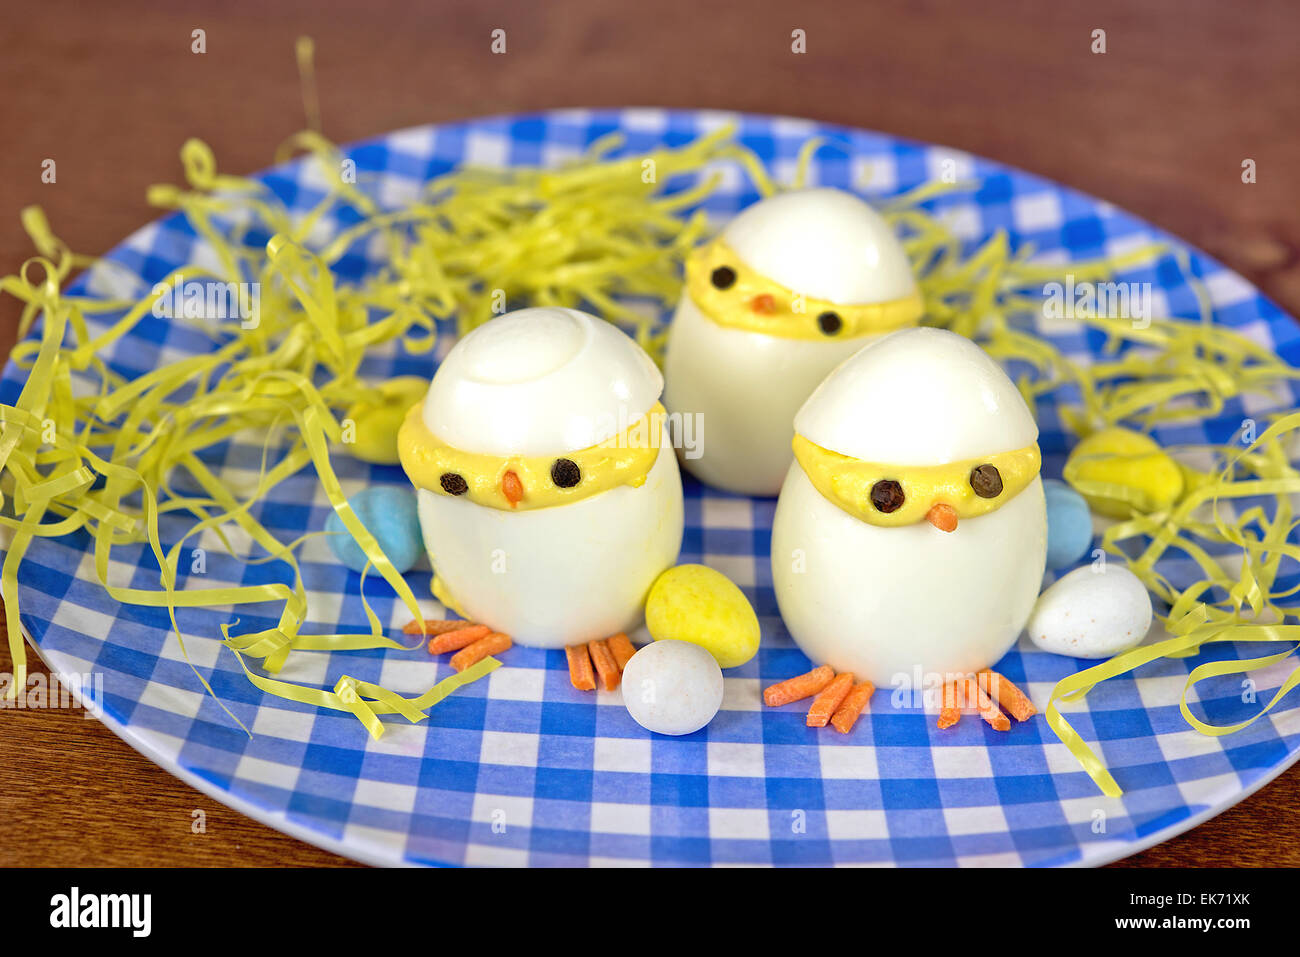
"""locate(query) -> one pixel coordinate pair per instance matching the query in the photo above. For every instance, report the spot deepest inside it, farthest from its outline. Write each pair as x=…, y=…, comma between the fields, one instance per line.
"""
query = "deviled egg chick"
x=793, y=285
x=911, y=532
x=549, y=496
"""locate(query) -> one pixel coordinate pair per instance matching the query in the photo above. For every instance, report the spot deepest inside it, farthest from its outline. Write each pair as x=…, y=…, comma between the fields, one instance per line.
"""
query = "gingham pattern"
x=521, y=768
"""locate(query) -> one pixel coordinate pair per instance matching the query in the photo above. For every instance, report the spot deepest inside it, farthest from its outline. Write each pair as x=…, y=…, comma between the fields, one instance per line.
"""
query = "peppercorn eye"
x=453, y=484
x=724, y=277
x=565, y=473
x=986, y=480
x=887, y=496
x=830, y=322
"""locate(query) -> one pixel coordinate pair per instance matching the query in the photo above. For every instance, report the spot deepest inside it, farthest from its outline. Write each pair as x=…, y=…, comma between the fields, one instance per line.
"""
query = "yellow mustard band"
x=540, y=481
x=848, y=483
x=726, y=290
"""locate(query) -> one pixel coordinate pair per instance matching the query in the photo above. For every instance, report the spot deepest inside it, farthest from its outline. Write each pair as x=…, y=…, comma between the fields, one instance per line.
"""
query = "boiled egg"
x=793, y=286
x=549, y=495
x=911, y=532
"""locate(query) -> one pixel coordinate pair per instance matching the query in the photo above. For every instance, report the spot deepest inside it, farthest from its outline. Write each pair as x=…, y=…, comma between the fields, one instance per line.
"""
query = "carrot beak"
x=942, y=517
x=763, y=303
x=512, y=488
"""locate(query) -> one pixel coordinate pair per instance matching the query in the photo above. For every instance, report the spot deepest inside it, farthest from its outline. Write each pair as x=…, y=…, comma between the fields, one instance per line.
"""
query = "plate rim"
x=1116, y=850
x=278, y=822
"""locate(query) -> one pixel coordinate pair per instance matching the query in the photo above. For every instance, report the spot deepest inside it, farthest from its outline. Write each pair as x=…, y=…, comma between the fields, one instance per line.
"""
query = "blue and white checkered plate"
x=521, y=769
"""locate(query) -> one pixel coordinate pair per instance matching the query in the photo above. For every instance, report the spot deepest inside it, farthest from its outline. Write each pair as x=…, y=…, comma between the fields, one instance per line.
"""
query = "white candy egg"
x=746, y=385
x=1092, y=613
x=884, y=602
x=672, y=687
x=546, y=382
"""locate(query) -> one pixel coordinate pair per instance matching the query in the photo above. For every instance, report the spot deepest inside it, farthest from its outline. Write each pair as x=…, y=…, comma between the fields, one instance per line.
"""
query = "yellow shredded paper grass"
x=602, y=233
x=109, y=459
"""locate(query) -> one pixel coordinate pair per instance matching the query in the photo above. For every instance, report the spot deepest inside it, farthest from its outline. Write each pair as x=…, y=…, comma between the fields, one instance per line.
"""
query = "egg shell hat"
x=918, y=397
x=538, y=382
x=824, y=243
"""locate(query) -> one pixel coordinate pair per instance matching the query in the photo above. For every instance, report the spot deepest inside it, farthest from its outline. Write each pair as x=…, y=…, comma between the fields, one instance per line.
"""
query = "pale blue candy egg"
x=389, y=513
x=1069, y=524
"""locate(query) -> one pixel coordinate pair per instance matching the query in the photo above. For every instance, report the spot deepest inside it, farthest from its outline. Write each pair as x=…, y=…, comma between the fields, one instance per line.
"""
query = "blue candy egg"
x=1069, y=524
x=389, y=513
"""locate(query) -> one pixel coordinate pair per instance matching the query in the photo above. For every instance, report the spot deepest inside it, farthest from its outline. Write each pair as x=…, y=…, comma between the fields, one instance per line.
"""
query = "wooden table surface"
x=1160, y=124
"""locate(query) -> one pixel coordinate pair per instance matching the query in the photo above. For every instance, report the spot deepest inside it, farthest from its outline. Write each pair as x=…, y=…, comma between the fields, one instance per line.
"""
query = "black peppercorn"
x=986, y=480
x=453, y=484
x=565, y=473
x=887, y=495
x=830, y=323
x=724, y=277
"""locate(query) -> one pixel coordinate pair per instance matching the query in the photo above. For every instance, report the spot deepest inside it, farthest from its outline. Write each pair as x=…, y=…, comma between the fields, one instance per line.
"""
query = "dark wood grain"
x=1159, y=124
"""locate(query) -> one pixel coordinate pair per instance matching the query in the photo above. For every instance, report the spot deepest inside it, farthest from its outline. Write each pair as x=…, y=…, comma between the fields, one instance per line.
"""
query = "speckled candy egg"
x=672, y=687
x=388, y=513
x=1092, y=613
x=1118, y=471
x=374, y=424
x=1069, y=524
x=698, y=604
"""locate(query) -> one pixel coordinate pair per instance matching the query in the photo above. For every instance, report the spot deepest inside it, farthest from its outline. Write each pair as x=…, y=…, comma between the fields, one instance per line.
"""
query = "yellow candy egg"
x=1120, y=471
x=373, y=432
x=697, y=604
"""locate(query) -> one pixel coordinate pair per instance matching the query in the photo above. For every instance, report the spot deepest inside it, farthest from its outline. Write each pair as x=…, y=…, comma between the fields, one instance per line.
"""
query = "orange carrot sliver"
x=942, y=517
x=491, y=644
x=950, y=712
x=433, y=626
x=606, y=666
x=622, y=648
x=580, y=673
x=512, y=488
x=829, y=700
x=799, y=687
x=846, y=716
x=988, y=710
x=458, y=639
x=1006, y=694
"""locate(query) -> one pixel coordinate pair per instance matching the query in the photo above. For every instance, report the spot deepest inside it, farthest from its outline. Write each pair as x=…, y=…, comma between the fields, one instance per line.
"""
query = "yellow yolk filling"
x=847, y=482
x=782, y=312
x=622, y=459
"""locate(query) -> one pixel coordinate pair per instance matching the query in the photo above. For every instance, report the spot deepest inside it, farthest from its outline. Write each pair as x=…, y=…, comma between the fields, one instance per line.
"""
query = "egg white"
x=745, y=387
x=564, y=575
x=882, y=602
x=825, y=243
x=538, y=381
x=918, y=397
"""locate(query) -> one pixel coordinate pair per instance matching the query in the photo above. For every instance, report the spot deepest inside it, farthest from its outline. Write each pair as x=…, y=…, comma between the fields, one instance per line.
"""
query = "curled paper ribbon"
x=1253, y=608
x=113, y=455
x=1078, y=685
x=1174, y=370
